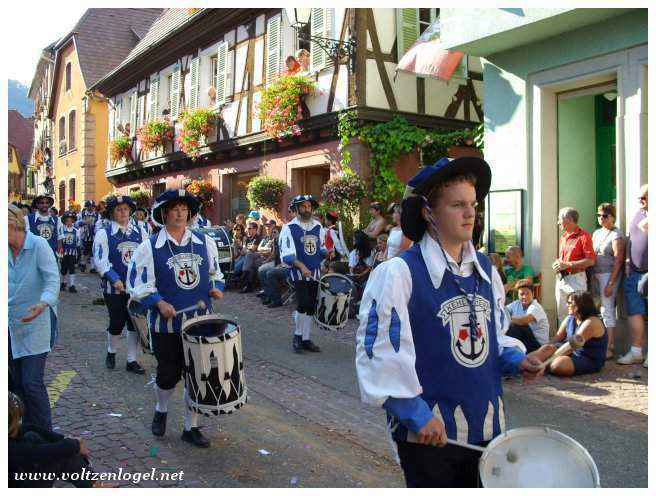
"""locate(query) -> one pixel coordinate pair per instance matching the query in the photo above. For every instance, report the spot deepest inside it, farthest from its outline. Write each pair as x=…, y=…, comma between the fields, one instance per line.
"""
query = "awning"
x=426, y=57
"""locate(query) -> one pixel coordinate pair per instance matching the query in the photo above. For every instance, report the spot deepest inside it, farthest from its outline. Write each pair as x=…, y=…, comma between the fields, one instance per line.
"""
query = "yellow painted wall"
x=67, y=165
x=14, y=169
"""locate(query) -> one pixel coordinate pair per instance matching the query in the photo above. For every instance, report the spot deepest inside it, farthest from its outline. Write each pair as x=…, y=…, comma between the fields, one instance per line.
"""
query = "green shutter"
x=175, y=93
x=154, y=99
x=221, y=73
x=407, y=29
x=273, y=47
x=195, y=83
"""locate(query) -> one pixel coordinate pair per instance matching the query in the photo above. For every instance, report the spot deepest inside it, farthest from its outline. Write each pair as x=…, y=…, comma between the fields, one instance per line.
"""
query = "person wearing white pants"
x=609, y=246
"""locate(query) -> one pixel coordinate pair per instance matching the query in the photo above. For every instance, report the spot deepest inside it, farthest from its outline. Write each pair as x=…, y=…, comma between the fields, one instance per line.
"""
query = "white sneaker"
x=644, y=364
x=630, y=358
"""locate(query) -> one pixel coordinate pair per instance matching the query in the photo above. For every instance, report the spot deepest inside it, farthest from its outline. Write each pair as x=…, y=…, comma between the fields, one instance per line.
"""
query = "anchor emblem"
x=186, y=269
x=469, y=333
x=473, y=335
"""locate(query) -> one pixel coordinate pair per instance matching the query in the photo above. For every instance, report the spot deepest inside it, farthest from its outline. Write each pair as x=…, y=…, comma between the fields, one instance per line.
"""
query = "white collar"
x=46, y=218
x=115, y=227
x=306, y=226
x=66, y=228
x=164, y=235
x=436, y=264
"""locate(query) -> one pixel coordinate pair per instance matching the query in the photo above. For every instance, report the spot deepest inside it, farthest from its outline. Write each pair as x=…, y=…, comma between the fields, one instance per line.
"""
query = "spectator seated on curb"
x=529, y=321
x=498, y=263
x=380, y=253
x=34, y=450
x=582, y=320
x=515, y=270
x=360, y=259
x=273, y=275
x=259, y=249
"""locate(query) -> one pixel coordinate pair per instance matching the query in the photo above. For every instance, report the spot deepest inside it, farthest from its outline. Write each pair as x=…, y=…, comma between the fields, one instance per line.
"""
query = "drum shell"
x=140, y=323
x=214, y=367
x=332, y=306
x=544, y=458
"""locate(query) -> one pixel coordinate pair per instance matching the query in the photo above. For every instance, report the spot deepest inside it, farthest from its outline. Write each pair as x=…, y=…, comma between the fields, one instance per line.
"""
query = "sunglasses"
x=603, y=216
x=642, y=198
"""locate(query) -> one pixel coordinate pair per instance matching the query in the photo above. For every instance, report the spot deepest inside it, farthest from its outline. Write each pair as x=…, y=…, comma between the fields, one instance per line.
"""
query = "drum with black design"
x=333, y=299
x=214, y=365
x=138, y=315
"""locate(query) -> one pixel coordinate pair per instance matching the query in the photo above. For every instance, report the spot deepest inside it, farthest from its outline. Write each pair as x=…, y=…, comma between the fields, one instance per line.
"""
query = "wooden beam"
x=335, y=77
x=387, y=57
x=421, y=95
x=382, y=71
x=250, y=69
x=360, y=30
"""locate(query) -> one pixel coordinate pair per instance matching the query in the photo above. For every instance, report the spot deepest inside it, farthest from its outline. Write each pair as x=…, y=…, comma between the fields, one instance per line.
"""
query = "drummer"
x=302, y=248
x=172, y=270
x=140, y=217
x=199, y=222
x=431, y=346
x=113, y=247
x=42, y=223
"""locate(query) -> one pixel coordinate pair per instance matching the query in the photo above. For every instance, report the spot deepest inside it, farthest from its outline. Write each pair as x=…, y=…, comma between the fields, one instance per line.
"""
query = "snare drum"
x=214, y=365
x=138, y=315
x=333, y=299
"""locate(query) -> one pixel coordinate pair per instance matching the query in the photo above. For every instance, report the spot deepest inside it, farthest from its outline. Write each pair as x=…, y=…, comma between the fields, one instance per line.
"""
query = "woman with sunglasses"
x=608, y=245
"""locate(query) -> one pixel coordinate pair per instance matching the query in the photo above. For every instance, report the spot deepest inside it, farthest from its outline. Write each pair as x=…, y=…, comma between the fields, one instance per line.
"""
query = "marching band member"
x=140, y=216
x=113, y=248
x=172, y=270
x=334, y=243
x=302, y=247
x=199, y=221
x=68, y=245
x=431, y=345
x=42, y=223
x=86, y=224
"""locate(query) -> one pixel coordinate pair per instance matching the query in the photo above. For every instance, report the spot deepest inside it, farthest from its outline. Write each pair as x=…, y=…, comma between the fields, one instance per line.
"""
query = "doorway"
x=311, y=180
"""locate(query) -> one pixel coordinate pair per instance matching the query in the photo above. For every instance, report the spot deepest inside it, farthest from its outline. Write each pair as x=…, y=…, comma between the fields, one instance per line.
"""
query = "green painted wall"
x=577, y=158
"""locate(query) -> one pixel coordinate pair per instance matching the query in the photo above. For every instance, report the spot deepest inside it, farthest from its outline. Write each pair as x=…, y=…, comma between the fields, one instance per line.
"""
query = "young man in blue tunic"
x=173, y=270
x=113, y=247
x=302, y=247
x=69, y=244
x=431, y=346
x=42, y=223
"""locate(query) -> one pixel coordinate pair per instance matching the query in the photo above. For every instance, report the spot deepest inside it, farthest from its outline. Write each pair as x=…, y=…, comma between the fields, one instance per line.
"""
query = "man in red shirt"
x=575, y=254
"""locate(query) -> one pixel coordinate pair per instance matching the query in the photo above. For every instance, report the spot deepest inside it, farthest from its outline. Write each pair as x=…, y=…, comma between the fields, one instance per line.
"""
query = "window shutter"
x=133, y=113
x=318, y=23
x=274, y=48
x=195, y=84
x=407, y=29
x=112, y=121
x=175, y=93
x=230, y=73
x=221, y=73
x=141, y=111
x=154, y=99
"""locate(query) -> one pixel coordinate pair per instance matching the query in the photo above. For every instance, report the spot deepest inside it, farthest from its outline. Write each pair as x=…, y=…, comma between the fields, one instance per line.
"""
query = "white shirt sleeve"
x=287, y=246
x=501, y=315
x=101, y=252
x=27, y=223
x=216, y=276
x=141, y=272
x=385, y=352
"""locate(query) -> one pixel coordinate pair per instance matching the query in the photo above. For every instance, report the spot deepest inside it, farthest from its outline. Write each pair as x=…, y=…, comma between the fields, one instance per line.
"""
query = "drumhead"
x=539, y=457
x=210, y=325
x=336, y=283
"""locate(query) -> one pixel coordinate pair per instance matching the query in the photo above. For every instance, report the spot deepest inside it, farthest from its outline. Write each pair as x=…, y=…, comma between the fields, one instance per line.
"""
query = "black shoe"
x=92, y=271
x=275, y=304
x=159, y=424
x=296, y=344
x=246, y=289
x=110, y=361
x=266, y=301
x=260, y=294
x=99, y=301
x=195, y=437
x=83, y=268
x=62, y=287
x=72, y=289
x=135, y=368
x=310, y=346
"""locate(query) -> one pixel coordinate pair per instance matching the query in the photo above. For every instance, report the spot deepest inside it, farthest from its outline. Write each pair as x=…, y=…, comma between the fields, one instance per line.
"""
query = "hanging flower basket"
x=344, y=189
x=196, y=125
x=281, y=104
x=203, y=190
x=155, y=135
x=121, y=148
x=141, y=198
x=265, y=192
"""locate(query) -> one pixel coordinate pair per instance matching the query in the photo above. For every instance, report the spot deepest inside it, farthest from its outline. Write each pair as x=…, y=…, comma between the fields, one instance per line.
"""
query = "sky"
x=45, y=22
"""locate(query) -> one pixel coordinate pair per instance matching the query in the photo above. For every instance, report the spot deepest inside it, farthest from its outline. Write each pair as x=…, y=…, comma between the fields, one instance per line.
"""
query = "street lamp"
x=299, y=19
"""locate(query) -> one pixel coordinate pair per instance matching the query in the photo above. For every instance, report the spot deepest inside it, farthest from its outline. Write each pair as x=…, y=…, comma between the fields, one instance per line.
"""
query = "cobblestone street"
x=303, y=410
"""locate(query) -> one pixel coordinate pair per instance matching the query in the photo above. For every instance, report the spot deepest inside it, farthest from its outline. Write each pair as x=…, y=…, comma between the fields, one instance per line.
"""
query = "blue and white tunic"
x=46, y=226
x=180, y=274
x=143, y=225
x=303, y=241
x=113, y=248
x=198, y=222
x=416, y=355
x=70, y=238
x=86, y=221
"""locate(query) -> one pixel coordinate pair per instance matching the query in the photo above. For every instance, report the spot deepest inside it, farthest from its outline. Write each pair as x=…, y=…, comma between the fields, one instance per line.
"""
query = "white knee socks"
x=112, y=342
x=133, y=340
x=307, y=326
x=71, y=279
x=162, y=396
x=190, y=417
x=298, y=323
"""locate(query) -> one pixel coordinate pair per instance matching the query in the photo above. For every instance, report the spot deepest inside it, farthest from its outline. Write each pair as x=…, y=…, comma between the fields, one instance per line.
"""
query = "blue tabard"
x=456, y=366
x=47, y=230
x=89, y=227
x=182, y=278
x=308, y=250
x=70, y=240
x=121, y=248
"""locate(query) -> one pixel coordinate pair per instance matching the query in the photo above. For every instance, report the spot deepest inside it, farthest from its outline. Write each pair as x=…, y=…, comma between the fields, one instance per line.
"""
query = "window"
x=410, y=23
x=62, y=135
x=322, y=24
x=71, y=190
x=303, y=32
x=62, y=196
x=426, y=18
x=71, y=130
x=68, y=76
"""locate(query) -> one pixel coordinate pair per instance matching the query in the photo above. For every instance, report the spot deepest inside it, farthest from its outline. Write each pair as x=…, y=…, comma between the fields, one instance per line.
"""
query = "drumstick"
x=511, y=456
x=573, y=343
x=198, y=306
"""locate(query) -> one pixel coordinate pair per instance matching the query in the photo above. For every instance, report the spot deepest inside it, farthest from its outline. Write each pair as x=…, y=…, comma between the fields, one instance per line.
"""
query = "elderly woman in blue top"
x=42, y=223
x=173, y=270
x=302, y=247
x=113, y=247
x=33, y=296
x=431, y=346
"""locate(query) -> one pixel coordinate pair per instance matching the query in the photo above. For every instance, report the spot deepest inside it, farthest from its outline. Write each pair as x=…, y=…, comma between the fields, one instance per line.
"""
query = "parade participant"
x=302, y=247
x=335, y=245
x=68, y=245
x=41, y=222
x=199, y=221
x=86, y=224
x=113, y=247
x=171, y=271
x=431, y=346
x=140, y=216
